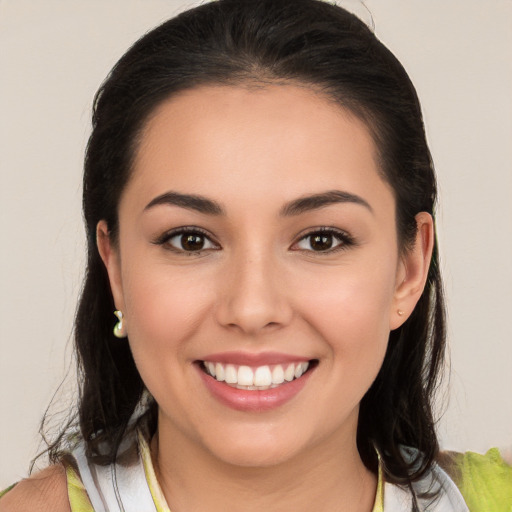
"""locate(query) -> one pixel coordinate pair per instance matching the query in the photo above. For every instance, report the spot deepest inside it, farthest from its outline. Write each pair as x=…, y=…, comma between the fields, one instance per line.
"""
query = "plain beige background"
x=53, y=56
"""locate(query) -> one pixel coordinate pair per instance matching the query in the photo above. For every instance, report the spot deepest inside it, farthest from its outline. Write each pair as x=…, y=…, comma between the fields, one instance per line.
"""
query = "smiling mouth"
x=259, y=378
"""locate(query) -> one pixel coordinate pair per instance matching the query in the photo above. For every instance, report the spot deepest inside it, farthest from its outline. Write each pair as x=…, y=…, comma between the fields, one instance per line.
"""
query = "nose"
x=254, y=296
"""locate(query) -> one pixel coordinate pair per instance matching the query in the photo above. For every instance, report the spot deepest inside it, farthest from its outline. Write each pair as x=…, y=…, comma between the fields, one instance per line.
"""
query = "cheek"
x=355, y=300
x=350, y=310
x=347, y=311
x=164, y=308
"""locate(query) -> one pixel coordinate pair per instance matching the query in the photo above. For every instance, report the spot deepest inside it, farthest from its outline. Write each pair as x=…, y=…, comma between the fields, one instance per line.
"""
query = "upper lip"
x=254, y=359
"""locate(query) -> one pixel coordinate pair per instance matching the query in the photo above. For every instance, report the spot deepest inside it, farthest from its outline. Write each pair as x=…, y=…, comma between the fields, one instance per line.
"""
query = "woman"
x=259, y=200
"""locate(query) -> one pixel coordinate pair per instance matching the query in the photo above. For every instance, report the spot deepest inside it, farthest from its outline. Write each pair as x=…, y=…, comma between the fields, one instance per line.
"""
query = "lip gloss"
x=253, y=400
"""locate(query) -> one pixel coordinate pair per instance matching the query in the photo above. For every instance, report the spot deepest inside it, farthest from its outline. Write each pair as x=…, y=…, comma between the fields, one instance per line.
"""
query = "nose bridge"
x=254, y=297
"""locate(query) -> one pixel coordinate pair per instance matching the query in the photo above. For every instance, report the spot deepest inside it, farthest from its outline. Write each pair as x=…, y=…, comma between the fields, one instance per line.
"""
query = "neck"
x=192, y=478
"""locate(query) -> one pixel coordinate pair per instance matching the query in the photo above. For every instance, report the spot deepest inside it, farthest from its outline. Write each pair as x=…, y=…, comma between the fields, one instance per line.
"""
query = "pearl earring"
x=400, y=312
x=119, y=330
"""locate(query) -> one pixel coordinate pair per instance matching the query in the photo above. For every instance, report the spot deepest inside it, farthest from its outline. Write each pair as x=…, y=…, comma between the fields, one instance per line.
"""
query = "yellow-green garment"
x=485, y=481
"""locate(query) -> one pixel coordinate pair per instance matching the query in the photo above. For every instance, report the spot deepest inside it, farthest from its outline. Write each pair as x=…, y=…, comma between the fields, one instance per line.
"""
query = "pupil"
x=321, y=242
x=192, y=242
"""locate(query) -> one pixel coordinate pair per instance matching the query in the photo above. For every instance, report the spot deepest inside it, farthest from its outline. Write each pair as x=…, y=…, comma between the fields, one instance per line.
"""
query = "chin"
x=255, y=457
x=256, y=451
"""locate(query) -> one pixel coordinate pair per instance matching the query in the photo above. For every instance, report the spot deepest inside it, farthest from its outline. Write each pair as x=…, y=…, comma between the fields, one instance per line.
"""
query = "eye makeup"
x=195, y=240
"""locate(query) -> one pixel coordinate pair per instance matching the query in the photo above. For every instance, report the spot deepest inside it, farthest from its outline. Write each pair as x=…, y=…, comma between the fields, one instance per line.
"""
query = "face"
x=258, y=270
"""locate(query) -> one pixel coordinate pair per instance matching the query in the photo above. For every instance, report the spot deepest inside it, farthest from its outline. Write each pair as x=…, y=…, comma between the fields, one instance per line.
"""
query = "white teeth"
x=277, y=374
x=289, y=373
x=219, y=374
x=258, y=378
x=231, y=374
x=245, y=376
x=300, y=369
x=262, y=376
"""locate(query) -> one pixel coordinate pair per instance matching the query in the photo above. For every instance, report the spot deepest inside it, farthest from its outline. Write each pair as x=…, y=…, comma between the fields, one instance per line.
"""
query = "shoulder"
x=485, y=481
x=45, y=492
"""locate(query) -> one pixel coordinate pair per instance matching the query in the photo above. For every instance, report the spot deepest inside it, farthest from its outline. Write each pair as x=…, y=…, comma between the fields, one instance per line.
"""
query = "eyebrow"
x=190, y=201
x=316, y=201
x=304, y=204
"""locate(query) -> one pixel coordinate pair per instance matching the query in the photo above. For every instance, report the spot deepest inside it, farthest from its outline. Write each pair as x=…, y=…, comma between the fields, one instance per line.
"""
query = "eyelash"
x=345, y=240
x=164, y=240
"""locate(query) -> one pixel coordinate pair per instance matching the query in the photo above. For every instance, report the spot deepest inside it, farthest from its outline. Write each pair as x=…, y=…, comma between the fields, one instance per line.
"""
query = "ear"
x=412, y=271
x=111, y=259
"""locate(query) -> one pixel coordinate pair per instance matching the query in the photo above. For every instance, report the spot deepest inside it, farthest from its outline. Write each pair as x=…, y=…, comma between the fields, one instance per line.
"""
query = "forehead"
x=281, y=140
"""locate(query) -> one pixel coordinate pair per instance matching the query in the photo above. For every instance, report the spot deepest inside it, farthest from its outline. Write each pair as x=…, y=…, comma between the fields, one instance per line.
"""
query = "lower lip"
x=254, y=400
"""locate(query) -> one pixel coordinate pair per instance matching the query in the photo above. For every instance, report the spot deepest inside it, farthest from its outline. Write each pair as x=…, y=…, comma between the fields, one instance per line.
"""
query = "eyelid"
x=165, y=237
x=346, y=239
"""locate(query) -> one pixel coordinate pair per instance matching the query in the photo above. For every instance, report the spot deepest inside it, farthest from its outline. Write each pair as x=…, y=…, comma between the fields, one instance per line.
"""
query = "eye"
x=187, y=240
x=324, y=240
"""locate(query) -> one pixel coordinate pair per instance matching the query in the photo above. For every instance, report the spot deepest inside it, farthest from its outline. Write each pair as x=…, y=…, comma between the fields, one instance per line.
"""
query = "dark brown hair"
x=265, y=41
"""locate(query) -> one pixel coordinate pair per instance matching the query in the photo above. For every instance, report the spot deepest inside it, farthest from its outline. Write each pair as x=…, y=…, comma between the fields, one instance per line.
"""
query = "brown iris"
x=192, y=242
x=321, y=242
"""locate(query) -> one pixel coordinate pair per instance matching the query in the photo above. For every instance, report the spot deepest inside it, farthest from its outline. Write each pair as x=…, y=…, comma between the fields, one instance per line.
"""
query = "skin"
x=44, y=492
x=259, y=286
